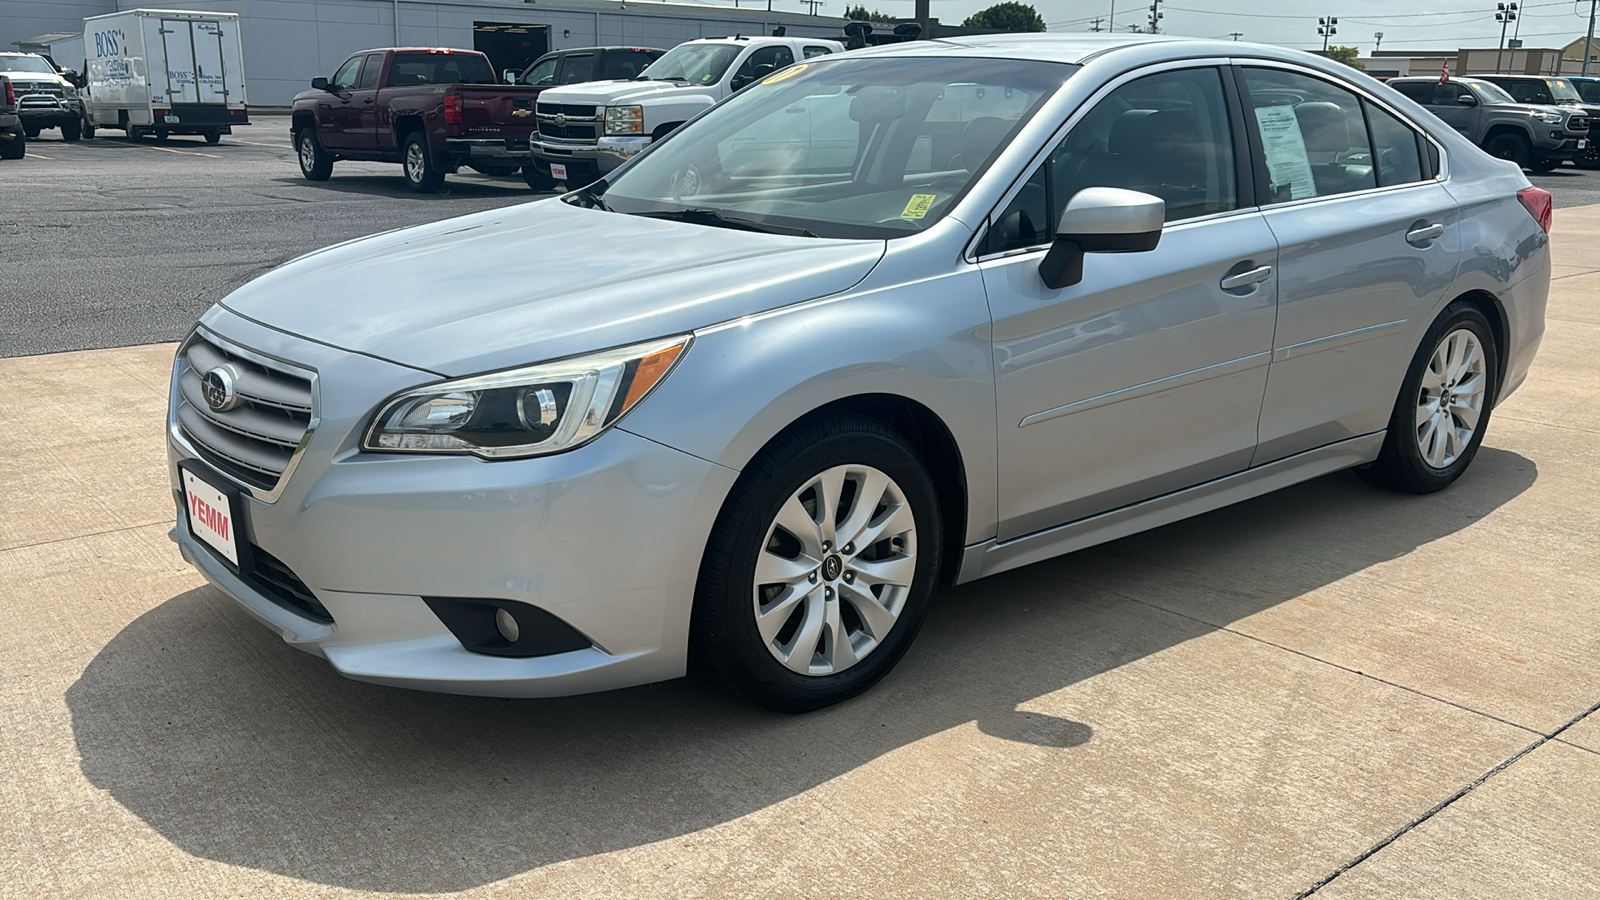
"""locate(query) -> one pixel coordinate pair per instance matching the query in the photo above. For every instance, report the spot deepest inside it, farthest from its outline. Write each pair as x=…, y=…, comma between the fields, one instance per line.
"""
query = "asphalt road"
x=108, y=243
x=111, y=244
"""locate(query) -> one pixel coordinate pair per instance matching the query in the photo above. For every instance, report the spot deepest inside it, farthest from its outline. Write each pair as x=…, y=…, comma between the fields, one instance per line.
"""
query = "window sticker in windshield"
x=918, y=207
x=786, y=74
x=1288, y=163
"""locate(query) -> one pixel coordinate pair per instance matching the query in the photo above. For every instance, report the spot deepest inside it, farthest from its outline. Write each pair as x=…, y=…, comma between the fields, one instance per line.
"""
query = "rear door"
x=209, y=69
x=177, y=44
x=1368, y=245
x=575, y=68
x=364, y=105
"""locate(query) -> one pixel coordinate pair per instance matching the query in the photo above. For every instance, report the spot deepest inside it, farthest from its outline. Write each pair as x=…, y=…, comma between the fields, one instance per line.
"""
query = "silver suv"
x=880, y=321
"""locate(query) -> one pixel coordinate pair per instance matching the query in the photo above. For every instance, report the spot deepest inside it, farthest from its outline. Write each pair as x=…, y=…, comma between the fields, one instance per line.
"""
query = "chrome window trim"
x=1361, y=92
x=175, y=434
x=1191, y=222
x=1060, y=134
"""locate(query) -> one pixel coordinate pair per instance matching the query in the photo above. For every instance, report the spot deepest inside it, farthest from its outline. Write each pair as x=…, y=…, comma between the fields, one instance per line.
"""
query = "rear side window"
x=813, y=52
x=1527, y=91
x=1312, y=134
x=369, y=72
x=1588, y=90
x=624, y=64
x=1395, y=147
x=440, y=68
x=576, y=69
x=1420, y=91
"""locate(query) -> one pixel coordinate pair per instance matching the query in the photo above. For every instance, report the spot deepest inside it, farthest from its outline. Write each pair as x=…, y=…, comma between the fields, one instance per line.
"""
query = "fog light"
x=507, y=625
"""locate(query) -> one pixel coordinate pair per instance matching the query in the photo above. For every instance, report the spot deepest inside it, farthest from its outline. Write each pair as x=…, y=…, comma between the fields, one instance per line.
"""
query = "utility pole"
x=1155, y=17
x=1588, y=42
x=1236, y=34
x=1377, y=36
x=1111, y=20
x=1327, y=27
x=925, y=19
x=1505, y=14
x=1095, y=25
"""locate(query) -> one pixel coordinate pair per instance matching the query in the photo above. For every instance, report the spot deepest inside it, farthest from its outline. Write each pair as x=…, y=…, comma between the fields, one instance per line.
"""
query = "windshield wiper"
x=704, y=216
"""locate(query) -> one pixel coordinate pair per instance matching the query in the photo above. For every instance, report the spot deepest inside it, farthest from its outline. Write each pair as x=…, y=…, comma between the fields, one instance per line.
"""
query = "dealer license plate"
x=211, y=516
x=558, y=171
x=1583, y=143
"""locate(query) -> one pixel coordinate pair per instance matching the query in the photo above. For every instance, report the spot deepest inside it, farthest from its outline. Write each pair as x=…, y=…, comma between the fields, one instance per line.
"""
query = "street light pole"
x=1588, y=42
x=1505, y=15
x=1327, y=27
x=1377, y=36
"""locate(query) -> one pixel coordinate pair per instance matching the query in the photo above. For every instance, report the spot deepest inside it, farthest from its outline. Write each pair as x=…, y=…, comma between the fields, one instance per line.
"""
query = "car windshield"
x=845, y=148
x=1490, y=93
x=25, y=64
x=694, y=63
x=1563, y=91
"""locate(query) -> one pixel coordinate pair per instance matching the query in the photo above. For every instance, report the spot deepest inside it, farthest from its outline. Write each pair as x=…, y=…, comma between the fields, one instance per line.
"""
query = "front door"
x=1368, y=242
x=338, y=123
x=1146, y=377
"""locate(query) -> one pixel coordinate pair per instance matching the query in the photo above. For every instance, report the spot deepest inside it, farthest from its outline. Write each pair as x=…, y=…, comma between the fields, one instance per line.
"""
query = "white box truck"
x=159, y=72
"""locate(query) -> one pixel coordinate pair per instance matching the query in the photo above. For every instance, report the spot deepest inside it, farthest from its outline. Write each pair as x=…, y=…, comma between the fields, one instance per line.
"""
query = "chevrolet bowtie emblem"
x=521, y=113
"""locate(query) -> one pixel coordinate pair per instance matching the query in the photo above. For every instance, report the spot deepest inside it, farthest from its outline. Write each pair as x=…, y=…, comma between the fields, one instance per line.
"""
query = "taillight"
x=11, y=94
x=452, y=110
x=1539, y=205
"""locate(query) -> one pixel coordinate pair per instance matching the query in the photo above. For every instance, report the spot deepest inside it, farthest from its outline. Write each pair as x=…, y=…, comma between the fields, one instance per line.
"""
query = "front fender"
x=660, y=112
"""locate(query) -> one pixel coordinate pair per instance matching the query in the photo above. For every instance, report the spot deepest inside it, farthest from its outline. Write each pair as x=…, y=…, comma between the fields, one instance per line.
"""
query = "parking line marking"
x=183, y=152
x=255, y=144
x=37, y=156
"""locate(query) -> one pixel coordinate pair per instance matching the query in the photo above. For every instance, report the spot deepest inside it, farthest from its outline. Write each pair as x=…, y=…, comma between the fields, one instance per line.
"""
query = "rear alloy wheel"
x=821, y=567
x=315, y=163
x=1510, y=147
x=1444, y=405
x=417, y=165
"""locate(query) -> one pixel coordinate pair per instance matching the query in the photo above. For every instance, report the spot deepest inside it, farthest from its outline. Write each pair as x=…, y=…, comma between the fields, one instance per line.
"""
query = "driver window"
x=1166, y=135
x=764, y=62
x=543, y=73
x=345, y=78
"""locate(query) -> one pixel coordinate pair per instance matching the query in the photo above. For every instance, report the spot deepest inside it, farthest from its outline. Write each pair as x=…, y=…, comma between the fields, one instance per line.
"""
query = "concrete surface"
x=1332, y=690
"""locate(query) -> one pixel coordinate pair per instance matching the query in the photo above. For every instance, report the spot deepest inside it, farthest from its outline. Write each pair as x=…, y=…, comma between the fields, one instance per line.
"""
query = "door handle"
x=367, y=101
x=1426, y=233
x=1245, y=279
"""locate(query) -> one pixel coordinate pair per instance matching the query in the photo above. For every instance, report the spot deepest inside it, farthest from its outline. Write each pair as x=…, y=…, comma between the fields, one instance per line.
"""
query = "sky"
x=1426, y=24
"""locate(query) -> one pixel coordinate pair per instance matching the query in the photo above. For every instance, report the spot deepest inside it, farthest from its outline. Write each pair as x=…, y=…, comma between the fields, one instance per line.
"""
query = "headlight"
x=524, y=412
x=624, y=120
x=70, y=90
x=1549, y=118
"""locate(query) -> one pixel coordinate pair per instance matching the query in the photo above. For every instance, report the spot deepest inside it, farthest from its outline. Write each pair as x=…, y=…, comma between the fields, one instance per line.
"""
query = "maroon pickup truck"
x=432, y=110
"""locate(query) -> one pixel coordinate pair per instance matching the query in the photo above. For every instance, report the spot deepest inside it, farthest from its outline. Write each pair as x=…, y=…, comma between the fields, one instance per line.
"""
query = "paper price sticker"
x=918, y=206
x=786, y=74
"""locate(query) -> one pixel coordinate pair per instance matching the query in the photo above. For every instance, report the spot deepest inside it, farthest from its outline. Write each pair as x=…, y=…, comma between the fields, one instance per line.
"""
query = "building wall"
x=23, y=19
x=289, y=42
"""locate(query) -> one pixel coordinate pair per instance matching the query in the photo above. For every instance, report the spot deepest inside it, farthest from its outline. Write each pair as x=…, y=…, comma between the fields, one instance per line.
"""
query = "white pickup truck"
x=587, y=130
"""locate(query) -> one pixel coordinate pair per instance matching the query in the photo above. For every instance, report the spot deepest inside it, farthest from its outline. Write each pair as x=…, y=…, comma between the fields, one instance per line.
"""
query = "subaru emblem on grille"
x=561, y=119
x=217, y=385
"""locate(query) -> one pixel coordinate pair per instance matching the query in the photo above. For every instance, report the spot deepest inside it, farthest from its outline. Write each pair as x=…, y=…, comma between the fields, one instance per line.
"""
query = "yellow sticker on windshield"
x=918, y=207
x=786, y=74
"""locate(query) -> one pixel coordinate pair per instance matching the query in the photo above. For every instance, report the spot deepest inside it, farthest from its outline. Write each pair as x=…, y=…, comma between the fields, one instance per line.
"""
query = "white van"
x=160, y=72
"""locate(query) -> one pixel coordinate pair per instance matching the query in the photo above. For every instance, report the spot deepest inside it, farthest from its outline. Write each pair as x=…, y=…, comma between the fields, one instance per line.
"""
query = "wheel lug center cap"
x=832, y=567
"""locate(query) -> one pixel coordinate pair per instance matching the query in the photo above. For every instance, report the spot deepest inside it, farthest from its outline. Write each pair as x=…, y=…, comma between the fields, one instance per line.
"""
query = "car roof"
x=1074, y=48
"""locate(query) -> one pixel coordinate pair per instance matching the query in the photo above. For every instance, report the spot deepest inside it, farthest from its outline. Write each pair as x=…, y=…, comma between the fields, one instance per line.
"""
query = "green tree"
x=862, y=14
x=1008, y=16
x=1346, y=55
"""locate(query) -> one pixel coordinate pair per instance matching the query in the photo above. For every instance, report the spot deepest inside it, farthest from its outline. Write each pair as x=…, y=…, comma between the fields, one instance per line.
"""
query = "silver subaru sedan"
x=881, y=321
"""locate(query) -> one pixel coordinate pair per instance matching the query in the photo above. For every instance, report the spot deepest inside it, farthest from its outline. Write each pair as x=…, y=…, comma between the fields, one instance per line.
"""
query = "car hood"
x=540, y=281
x=608, y=93
x=33, y=77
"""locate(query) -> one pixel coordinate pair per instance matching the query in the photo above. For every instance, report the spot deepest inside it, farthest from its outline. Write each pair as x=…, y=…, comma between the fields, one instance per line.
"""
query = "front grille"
x=1578, y=123
x=550, y=129
x=278, y=581
x=38, y=87
x=566, y=109
x=254, y=442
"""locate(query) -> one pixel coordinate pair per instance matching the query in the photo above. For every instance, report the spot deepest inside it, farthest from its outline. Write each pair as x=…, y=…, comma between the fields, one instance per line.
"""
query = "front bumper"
x=599, y=158
x=607, y=538
x=44, y=111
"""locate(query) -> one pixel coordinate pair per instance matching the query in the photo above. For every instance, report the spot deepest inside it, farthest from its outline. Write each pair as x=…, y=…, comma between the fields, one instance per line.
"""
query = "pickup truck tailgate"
x=489, y=110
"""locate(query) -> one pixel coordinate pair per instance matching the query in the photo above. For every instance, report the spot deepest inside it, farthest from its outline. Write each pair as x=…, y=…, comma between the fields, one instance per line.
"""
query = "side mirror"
x=741, y=81
x=1101, y=220
x=1466, y=100
x=319, y=83
x=510, y=76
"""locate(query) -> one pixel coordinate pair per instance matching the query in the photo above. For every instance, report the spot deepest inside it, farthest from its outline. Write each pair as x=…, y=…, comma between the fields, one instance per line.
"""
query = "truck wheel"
x=72, y=132
x=88, y=130
x=1588, y=158
x=213, y=137
x=134, y=134
x=32, y=131
x=1510, y=147
x=315, y=163
x=538, y=178
x=418, y=167
x=1545, y=165
x=13, y=144
x=161, y=134
x=495, y=170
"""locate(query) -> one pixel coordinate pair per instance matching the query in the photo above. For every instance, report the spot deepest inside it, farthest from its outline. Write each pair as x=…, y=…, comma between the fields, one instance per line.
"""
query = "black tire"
x=72, y=132
x=134, y=135
x=1400, y=464
x=420, y=171
x=1541, y=166
x=537, y=178
x=88, y=130
x=315, y=163
x=724, y=636
x=162, y=134
x=13, y=144
x=1511, y=147
x=32, y=131
x=495, y=170
x=1589, y=157
x=213, y=137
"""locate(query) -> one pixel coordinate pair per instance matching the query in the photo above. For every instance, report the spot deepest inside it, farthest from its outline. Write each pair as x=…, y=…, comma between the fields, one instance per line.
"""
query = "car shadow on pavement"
x=395, y=186
x=239, y=749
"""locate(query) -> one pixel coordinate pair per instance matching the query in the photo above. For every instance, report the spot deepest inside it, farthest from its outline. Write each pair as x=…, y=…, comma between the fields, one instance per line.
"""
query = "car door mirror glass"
x=1466, y=100
x=1101, y=220
x=319, y=83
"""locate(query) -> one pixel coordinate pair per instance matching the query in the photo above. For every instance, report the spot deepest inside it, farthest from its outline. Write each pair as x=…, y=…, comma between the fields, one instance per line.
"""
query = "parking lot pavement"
x=1330, y=688
x=109, y=243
